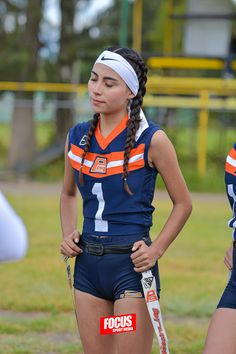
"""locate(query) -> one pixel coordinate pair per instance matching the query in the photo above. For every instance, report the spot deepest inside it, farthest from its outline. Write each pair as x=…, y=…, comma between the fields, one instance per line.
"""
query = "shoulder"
x=161, y=151
x=153, y=127
x=146, y=130
x=80, y=127
x=78, y=133
x=160, y=139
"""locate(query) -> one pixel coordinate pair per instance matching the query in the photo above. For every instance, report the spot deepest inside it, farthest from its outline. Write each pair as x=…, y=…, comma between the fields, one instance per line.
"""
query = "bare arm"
x=69, y=211
x=162, y=155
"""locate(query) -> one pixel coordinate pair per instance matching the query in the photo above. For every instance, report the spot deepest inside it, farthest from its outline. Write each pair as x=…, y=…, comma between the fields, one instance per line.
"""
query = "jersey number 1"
x=100, y=224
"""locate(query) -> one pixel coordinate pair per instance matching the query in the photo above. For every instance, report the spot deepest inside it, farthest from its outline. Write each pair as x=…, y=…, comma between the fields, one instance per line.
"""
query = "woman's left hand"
x=143, y=256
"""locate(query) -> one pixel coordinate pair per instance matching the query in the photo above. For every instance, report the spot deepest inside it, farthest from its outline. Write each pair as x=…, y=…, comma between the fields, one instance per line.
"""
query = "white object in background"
x=13, y=234
x=208, y=37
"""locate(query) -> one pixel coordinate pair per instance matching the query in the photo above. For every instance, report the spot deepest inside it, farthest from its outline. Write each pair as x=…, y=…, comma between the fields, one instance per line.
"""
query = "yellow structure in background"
x=168, y=39
x=187, y=63
x=137, y=25
x=200, y=93
x=197, y=93
x=41, y=86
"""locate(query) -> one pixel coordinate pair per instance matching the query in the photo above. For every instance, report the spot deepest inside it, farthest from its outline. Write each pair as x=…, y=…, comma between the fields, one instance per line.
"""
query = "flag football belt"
x=99, y=250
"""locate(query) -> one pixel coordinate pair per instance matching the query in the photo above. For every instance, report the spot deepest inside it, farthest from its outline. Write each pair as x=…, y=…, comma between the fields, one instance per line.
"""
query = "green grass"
x=36, y=314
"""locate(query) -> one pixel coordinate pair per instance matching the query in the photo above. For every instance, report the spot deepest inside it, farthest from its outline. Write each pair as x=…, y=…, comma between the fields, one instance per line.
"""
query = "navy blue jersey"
x=230, y=181
x=107, y=208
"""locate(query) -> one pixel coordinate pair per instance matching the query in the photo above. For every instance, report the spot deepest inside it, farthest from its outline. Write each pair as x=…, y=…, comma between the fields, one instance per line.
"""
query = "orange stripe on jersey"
x=104, y=165
x=110, y=157
x=75, y=165
x=113, y=170
x=230, y=165
x=76, y=150
x=104, y=142
x=230, y=169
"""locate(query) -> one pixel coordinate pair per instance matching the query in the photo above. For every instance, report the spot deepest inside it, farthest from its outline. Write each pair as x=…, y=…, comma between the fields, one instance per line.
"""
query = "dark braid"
x=92, y=128
x=133, y=123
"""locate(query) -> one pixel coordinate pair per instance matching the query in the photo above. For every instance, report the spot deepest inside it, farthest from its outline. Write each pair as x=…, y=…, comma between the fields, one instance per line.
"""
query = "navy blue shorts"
x=110, y=276
x=228, y=298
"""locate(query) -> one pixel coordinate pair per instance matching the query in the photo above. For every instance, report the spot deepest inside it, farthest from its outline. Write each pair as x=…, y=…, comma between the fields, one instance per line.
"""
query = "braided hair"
x=136, y=61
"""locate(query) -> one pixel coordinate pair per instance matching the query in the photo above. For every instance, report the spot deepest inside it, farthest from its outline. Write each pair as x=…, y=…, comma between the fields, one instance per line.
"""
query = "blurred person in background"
x=114, y=161
x=13, y=234
x=221, y=336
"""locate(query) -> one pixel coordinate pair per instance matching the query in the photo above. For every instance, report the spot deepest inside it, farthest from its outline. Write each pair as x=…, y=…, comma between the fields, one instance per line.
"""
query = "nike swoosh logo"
x=104, y=58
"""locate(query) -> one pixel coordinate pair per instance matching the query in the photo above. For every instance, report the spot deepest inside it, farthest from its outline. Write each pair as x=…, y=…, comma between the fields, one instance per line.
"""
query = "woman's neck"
x=109, y=122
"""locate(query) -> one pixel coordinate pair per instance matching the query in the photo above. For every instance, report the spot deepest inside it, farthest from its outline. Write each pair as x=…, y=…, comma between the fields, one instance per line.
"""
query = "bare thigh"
x=139, y=341
x=89, y=310
x=221, y=333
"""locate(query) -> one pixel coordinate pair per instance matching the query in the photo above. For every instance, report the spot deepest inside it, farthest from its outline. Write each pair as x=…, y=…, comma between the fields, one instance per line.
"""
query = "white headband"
x=122, y=67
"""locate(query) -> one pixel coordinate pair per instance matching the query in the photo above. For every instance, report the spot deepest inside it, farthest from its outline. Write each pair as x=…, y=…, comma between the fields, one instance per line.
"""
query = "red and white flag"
x=149, y=288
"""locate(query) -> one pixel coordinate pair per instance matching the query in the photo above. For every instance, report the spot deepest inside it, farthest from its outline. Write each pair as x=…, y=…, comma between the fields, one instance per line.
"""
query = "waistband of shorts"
x=100, y=248
x=122, y=240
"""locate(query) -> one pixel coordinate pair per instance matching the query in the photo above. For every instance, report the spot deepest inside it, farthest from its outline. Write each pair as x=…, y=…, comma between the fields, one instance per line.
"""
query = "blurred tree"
x=105, y=29
x=66, y=67
x=27, y=55
x=19, y=30
x=66, y=64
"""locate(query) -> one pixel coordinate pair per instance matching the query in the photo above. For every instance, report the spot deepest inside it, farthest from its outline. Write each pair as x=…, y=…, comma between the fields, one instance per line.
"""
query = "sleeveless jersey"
x=107, y=208
x=230, y=181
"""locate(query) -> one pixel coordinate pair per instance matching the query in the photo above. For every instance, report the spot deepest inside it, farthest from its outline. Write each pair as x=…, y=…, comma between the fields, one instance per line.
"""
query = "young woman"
x=221, y=333
x=114, y=161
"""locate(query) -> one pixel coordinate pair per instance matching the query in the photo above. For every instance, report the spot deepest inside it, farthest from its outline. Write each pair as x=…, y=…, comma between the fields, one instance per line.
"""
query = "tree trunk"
x=66, y=59
x=23, y=136
x=23, y=140
x=64, y=116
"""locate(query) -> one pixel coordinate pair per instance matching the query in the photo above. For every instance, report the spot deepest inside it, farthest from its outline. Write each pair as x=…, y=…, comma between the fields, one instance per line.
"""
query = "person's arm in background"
x=13, y=234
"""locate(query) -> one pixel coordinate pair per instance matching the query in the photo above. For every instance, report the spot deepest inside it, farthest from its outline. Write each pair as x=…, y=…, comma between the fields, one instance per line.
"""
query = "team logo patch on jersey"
x=99, y=165
x=83, y=140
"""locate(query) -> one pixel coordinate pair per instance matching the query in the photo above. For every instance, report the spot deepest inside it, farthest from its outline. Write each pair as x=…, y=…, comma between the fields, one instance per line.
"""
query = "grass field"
x=36, y=314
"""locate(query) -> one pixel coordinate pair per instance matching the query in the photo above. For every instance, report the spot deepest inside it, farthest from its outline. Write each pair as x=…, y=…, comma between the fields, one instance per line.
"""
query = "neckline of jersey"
x=104, y=142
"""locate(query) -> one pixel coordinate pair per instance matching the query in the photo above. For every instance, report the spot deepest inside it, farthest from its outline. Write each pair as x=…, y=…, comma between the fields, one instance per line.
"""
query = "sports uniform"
x=112, y=218
x=228, y=298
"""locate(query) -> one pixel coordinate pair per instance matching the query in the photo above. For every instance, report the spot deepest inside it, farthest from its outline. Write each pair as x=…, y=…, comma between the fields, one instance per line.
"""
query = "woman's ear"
x=131, y=96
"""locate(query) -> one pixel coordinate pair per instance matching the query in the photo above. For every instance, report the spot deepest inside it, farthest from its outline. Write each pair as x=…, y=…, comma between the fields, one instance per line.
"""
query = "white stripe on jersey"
x=231, y=161
x=110, y=164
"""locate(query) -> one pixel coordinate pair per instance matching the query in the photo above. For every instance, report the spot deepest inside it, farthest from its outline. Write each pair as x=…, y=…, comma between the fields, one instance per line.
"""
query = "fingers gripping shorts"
x=110, y=276
x=228, y=299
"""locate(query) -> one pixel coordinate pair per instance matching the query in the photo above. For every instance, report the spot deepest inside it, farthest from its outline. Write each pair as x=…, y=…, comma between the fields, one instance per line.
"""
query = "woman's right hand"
x=69, y=246
x=228, y=259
